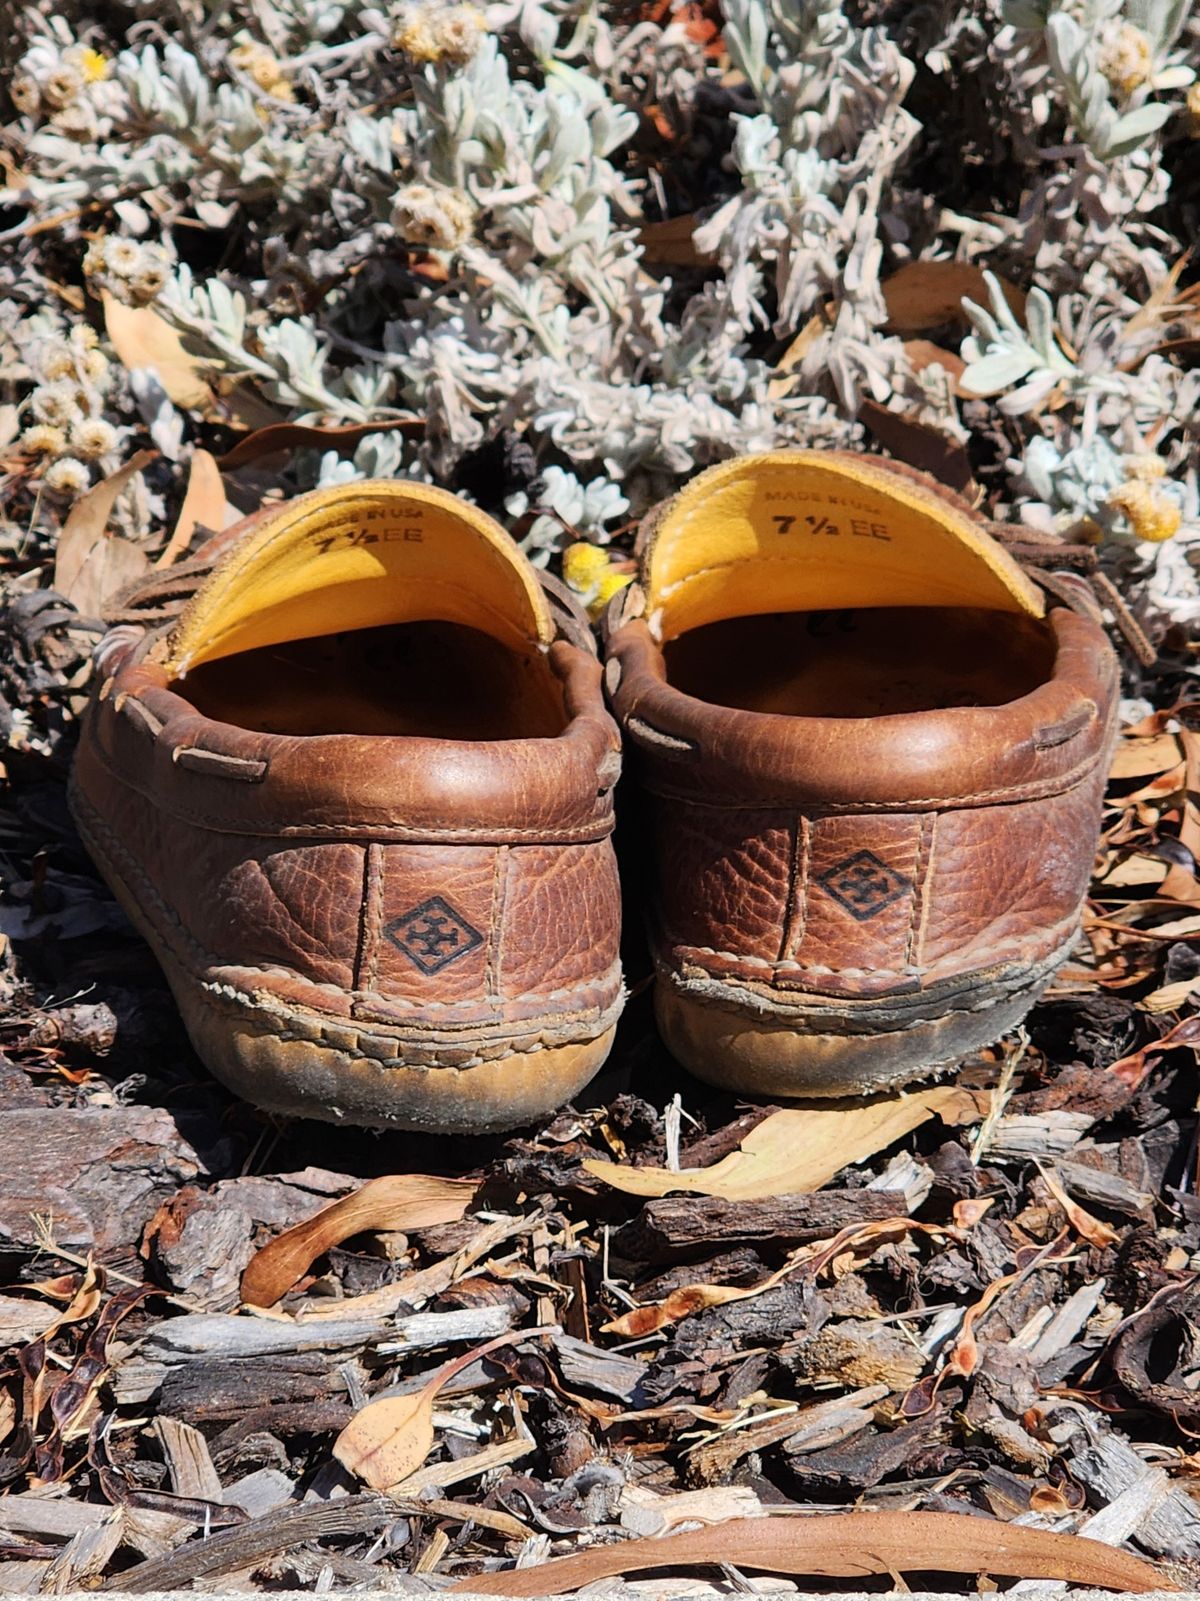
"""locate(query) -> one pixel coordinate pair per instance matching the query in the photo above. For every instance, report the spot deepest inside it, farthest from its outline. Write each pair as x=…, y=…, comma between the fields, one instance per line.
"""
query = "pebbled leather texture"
x=857, y=876
x=457, y=901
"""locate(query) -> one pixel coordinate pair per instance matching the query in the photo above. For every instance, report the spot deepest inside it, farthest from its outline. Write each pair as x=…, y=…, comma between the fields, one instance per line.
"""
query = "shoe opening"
x=430, y=679
x=869, y=662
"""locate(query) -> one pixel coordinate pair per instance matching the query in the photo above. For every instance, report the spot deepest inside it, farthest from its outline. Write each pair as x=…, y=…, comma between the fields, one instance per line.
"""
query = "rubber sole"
x=334, y=1070
x=801, y=1054
x=257, y=1055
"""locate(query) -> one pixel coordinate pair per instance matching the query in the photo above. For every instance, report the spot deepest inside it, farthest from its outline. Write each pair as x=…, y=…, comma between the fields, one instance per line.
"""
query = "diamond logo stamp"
x=864, y=885
x=432, y=935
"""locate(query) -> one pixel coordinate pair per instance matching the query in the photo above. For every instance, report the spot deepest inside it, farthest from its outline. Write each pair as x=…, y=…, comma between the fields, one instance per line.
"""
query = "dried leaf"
x=1081, y=1220
x=84, y=1303
x=400, y=1201
x=1141, y=758
x=797, y=1151
x=203, y=506
x=290, y=436
x=786, y=377
x=922, y=446
x=845, y=1545
x=1131, y=1070
x=141, y=338
x=1181, y=883
x=91, y=567
x=670, y=244
x=814, y=1258
x=389, y=1439
x=925, y=294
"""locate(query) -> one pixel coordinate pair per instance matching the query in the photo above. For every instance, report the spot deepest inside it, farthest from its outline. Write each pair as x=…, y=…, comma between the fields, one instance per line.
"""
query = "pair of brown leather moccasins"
x=353, y=780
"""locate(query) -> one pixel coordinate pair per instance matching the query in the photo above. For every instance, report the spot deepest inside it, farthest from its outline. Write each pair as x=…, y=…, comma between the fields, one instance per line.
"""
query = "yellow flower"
x=610, y=584
x=93, y=65
x=592, y=575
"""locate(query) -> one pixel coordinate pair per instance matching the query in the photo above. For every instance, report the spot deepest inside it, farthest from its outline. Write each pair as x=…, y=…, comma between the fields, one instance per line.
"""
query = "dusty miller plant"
x=360, y=213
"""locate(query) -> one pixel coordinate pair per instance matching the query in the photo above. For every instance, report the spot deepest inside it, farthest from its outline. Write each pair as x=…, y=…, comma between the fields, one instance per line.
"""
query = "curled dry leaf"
x=278, y=437
x=813, y=1258
x=797, y=1151
x=400, y=1201
x=389, y=1439
x=92, y=567
x=845, y=1545
x=203, y=506
x=1081, y=1220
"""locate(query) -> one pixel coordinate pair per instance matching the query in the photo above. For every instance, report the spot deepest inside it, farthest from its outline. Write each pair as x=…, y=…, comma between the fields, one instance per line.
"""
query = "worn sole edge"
x=267, y=1057
x=842, y=1048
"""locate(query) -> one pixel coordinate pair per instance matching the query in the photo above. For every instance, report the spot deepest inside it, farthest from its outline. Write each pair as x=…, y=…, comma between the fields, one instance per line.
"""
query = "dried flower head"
x=1128, y=59
x=131, y=272
x=57, y=403
x=26, y=95
x=62, y=85
x=93, y=437
x=43, y=440
x=149, y=280
x=433, y=32
x=67, y=476
x=53, y=360
x=77, y=120
x=433, y=216
x=1193, y=111
x=1152, y=515
x=264, y=68
x=94, y=365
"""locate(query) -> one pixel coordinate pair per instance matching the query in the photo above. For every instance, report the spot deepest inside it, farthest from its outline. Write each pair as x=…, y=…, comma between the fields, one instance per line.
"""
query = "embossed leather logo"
x=432, y=935
x=864, y=885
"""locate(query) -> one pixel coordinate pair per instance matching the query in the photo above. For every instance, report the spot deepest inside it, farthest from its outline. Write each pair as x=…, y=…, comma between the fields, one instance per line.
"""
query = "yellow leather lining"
x=362, y=555
x=811, y=531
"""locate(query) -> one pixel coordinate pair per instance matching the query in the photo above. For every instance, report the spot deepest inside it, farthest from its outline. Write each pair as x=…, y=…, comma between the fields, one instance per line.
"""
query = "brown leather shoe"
x=357, y=795
x=875, y=748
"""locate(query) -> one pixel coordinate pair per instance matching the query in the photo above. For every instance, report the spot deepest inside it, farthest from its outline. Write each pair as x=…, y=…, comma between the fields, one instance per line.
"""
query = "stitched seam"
x=800, y=967
x=595, y=1022
x=895, y=1028
x=797, y=902
x=1018, y=793
x=920, y=871
x=91, y=822
x=372, y=916
x=688, y=951
x=491, y=975
x=579, y=834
